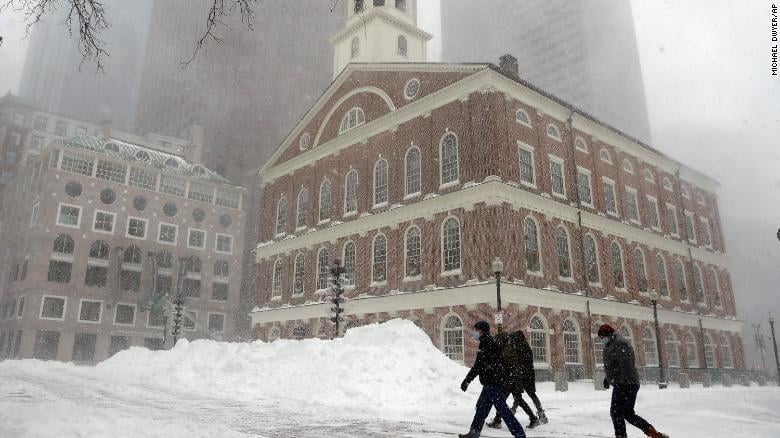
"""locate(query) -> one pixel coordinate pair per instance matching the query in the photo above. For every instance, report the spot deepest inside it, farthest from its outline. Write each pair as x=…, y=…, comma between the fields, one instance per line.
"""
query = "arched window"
x=709, y=352
x=580, y=144
x=617, y=266
x=64, y=244
x=650, y=347
x=726, y=360
x=626, y=333
x=276, y=287
x=99, y=250
x=303, y=209
x=413, y=179
x=531, y=238
x=715, y=285
x=281, y=216
x=449, y=158
x=672, y=350
x=452, y=338
x=323, y=270
x=691, y=351
x=193, y=265
x=553, y=132
x=571, y=342
x=538, y=333
x=592, y=260
x=379, y=259
x=355, y=47
x=412, y=251
x=299, y=275
x=325, y=201
x=598, y=345
x=276, y=333
x=401, y=45
x=521, y=116
x=221, y=269
x=451, y=244
x=349, y=264
x=627, y=166
x=350, y=192
x=641, y=272
x=164, y=260
x=663, y=280
x=564, y=259
x=649, y=176
x=685, y=192
x=698, y=284
x=352, y=119
x=132, y=255
x=667, y=184
x=679, y=273
x=605, y=156
x=380, y=182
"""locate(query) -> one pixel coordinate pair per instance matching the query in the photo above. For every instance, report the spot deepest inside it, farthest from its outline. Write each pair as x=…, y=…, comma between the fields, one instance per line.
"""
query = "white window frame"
x=276, y=288
x=647, y=173
x=189, y=234
x=576, y=332
x=78, y=221
x=459, y=269
x=159, y=232
x=295, y=275
x=135, y=314
x=373, y=261
x=627, y=166
x=561, y=162
x=686, y=193
x=527, y=117
x=540, y=272
x=692, y=217
x=346, y=193
x=224, y=322
x=344, y=126
x=146, y=228
x=376, y=204
x=716, y=289
x=216, y=243
x=676, y=221
x=408, y=195
x=570, y=278
x=21, y=302
x=666, y=183
x=700, y=199
x=83, y=321
x=194, y=320
x=34, y=214
x=545, y=330
x=581, y=141
x=705, y=225
x=283, y=231
x=444, y=336
x=605, y=156
x=148, y=315
x=456, y=181
x=329, y=209
x=609, y=182
x=406, y=253
x=598, y=260
x=530, y=149
x=632, y=191
x=589, y=175
x=653, y=201
x=556, y=136
x=64, y=308
x=113, y=222
x=302, y=214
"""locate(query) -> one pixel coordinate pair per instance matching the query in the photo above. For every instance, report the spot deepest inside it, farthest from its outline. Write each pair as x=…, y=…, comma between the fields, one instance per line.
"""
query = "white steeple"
x=379, y=31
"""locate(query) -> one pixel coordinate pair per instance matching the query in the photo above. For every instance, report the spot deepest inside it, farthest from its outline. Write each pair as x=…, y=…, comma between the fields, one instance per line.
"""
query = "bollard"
x=761, y=379
x=561, y=382
x=598, y=380
x=684, y=380
x=726, y=381
x=706, y=380
x=744, y=380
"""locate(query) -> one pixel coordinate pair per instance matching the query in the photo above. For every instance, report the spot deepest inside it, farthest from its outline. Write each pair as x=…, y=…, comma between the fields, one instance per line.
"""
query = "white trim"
x=64, y=307
x=581, y=140
x=544, y=330
x=224, y=322
x=540, y=272
x=406, y=86
x=605, y=156
x=530, y=149
x=159, y=230
x=627, y=166
x=554, y=159
x=78, y=220
x=588, y=174
x=622, y=266
x=700, y=199
x=456, y=271
x=34, y=213
x=692, y=216
x=278, y=233
x=408, y=195
x=686, y=193
x=632, y=191
x=718, y=290
x=387, y=183
x=556, y=136
x=273, y=280
x=19, y=313
x=705, y=224
x=527, y=117
x=321, y=221
x=135, y=314
x=643, y=259
x=81, y=303
x=148, y=315
x=371, y=258
x=666, y=183
x=653, y=201
x=405, y=249
x=216, y=243
x=673, y=207
x=194, y=320
x=369, y=89
x=189, y=234
x=610, y=182
x=645, y=173
x=442, y=184
x=568, y=249
x=442, y=329
x=295, y=272
x=307, y=144
x=127, y=228
x=346, y=213
x=598, y=261
x=113, y=222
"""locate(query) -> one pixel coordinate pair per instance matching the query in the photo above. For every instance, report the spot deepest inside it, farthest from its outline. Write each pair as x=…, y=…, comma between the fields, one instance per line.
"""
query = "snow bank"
x=392, y=368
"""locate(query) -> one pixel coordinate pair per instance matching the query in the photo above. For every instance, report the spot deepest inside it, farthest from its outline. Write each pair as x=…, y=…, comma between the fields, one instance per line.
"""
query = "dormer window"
x=111, y=147
x=171, y=163
x=553, y=132
x=400, y=4
x=354, y=118
x=303, y=143
x=198, y=169
x=355, y=47
x=402, y=45
x=142, y=156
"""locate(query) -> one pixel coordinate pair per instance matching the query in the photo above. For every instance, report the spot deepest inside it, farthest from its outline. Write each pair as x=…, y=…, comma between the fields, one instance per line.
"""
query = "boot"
x=467, y=435
x=495, y=423
x=652, y=433
x=534, y=422
x=542, y=417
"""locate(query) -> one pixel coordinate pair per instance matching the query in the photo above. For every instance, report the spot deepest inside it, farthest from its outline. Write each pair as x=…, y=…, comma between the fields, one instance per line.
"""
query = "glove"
x=464, y=386
x=606, y=383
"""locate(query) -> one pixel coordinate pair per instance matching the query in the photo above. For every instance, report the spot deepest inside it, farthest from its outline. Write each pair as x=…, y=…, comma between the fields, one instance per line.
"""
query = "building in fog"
x=418, y=175
x=582, y=51
x=100, y=234
x=57, y=79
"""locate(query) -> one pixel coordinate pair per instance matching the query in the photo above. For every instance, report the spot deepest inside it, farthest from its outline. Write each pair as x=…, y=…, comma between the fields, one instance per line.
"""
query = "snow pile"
x=392, y=368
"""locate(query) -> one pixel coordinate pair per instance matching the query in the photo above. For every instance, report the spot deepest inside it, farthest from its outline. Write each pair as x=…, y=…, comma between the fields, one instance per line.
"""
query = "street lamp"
x=498, y=268
x=178, y=304
x=661, y=371
x=774, y=341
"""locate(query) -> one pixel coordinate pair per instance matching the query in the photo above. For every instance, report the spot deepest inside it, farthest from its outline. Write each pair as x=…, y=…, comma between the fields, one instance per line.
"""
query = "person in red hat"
x=622, y=375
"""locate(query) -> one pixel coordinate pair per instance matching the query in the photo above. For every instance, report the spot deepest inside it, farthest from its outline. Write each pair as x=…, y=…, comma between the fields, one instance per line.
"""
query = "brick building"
x=418, y=175
x=100, y=234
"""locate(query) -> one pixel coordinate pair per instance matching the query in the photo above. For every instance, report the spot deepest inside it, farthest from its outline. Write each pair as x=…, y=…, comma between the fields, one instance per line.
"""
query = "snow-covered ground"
x=384, y=380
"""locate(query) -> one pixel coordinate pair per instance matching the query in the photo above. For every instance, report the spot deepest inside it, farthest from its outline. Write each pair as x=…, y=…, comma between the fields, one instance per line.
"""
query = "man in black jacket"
x=620, y=368
x=489, y=367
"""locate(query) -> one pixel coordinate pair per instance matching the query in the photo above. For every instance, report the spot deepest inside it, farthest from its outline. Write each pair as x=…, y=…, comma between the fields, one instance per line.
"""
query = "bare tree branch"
x=218, y=10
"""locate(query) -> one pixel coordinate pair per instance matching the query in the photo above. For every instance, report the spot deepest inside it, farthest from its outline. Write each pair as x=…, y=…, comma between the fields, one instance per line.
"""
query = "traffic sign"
x=499, y=318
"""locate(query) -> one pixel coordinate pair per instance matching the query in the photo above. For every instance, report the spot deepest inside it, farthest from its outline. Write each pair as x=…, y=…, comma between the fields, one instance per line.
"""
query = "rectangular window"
x=59, y=271
x=36, y=142
x=191, y=287
x=24, y=270
x=61, y=128
x=216, y=322
x=201, y=192
x=219, y=291
x=130, y=280
x=671, y=220
x=167, y=233
x=652, y=213
x=69, y=216
x=53, y=308
x=556, y=174
x=125, y=314
x=163, y=285
x=136, y=228
x=609, y=197
x=189, y=319
x=173, y=185
x=110, y=171
x=155, y=318
x=224, y=243
x=34, y=215
x=40, y=123
x=583, y=179
x=142, y=178
x=632, y=205
x=18, y=118
x=196, y=238
x=96, y=276
x=54, y=158
x=90, y=311
x=81, y=131
x=46, y=345
x=227, y=198
x=77, y=163
x=527, y=166
x=104, y=222
x=20, y=308
x=688, y=218
x=706, y=237
x=118, y=343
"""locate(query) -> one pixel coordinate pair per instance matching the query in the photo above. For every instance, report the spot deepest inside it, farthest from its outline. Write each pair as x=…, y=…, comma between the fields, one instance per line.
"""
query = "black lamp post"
x=178, y=302
x=774, y=343
x=498, y=268
x=336, y=271
x=661, y=370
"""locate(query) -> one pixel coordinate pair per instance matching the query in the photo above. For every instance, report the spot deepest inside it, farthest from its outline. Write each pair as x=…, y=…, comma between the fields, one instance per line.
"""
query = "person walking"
x=622, y=375
x=489, y=367
x=519, y=360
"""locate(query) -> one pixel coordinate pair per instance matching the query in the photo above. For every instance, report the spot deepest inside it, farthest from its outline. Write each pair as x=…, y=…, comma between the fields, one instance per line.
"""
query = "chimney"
x=508, y=66
x=105, y=128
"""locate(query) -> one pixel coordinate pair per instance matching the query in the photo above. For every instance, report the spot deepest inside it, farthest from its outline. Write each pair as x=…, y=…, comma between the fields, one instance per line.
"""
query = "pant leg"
x=523, y=405
x=629, y=414
x=534, y=398
x=498, y=397
x=484, y=403
x=616, y=409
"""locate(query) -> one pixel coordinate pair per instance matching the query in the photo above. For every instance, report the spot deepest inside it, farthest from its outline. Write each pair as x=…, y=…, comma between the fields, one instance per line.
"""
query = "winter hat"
x=482, y=326
x=606, y=330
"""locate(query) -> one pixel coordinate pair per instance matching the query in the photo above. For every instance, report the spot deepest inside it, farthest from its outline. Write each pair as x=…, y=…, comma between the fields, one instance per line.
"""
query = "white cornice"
x=491, y=192
x=486, y=293
x=361, y=21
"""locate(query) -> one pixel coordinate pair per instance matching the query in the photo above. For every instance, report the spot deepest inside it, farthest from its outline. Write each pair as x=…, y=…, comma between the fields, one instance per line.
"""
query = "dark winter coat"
x=519, y=361
x=619, y=361
x=489, y=365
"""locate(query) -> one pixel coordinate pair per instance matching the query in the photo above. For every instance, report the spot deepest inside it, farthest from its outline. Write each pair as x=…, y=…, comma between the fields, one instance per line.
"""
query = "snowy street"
x=210, y=389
